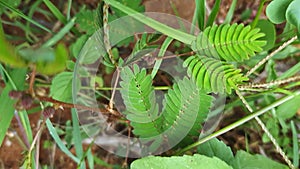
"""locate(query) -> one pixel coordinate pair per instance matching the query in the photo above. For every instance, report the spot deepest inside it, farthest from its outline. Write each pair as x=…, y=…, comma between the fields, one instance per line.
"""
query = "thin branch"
x=37, y=136
x=270, y=84
x=37, y=154
x=69, y=105
x=125, y=164
x=32, y=78
x=270, y=56
x=106, y=33
x=111, y=101
x=267, y=132
x=174, y=56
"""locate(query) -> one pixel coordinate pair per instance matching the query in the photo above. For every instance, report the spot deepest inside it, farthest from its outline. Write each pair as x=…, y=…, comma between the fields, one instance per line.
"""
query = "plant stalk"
x=175, y=34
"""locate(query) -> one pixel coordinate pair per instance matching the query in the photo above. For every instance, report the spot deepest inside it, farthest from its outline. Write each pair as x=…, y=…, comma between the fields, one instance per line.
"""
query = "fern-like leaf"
x=213, y=75
x=185, y=108
x=229, y=42
x=139, y=98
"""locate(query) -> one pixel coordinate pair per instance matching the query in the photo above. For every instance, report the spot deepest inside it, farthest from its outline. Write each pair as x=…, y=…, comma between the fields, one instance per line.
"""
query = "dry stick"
x=106, y=33
x=37, y=155
x=69, y=105
x=36, y=137
x=270, y=84
x=174, y=56
x=265, y=129
x=111, y=101
x=128, y=144
x=285, y=44
x=31, y=82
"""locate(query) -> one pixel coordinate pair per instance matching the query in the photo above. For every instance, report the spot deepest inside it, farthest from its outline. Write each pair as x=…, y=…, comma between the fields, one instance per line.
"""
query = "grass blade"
x=17, y=81
x=176, y=34
x=6, y=111
x=161, y=53
x=230, y=12
x=26, y=124
x=90, y=158
x=56, y=12
x=77, y=137
x=295, y=145
x=292, y=71
x=213, y=13
x=59, y=142
x=200, y=13
x=6, y=5
x=58, y=36
x=69, y=9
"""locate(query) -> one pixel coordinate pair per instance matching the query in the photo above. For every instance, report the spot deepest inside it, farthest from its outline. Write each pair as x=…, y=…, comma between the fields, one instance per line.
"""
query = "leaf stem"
x=270, y=56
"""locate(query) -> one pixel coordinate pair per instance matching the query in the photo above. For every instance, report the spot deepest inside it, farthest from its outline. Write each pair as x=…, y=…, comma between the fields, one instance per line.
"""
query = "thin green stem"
x=238, y=123
x=257, y=16
x=176, y=34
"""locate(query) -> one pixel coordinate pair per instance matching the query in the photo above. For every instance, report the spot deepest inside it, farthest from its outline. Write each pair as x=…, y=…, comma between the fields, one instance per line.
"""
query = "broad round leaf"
x=293, y=14
x=61, y=87
x=183, y=162
x=268, y=29
x=276, y=10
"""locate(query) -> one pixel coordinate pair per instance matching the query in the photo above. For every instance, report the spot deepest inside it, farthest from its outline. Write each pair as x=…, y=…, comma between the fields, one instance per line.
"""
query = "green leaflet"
x=229, y=42
x=185, y=108
x=213, y=75
x=139, y=97
x=293, y=14
x=276, y=10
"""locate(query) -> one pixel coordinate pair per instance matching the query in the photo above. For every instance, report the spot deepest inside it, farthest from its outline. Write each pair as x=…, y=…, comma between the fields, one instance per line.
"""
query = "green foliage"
x=59, y=142
x=213, y=75
x=289, y=108
x=7, y=104
x=246, y=160
x=138, y=95
x=276, y=10
x=293, y=14
x=183, y=162
x=61, y=88
x=8, y=55
x=133, y=4
x=279, y=11
x=139, y=98
x=268, y=29
x=48, y=61
x=185, y=106
x=216, y=148
x=86, y=20
x=229, y=42
x=142, y=47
